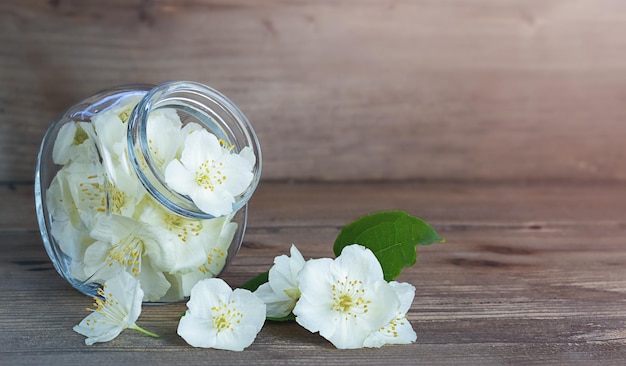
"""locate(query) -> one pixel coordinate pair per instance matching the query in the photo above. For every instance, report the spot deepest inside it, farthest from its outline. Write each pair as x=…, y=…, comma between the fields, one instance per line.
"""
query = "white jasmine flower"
x=216, y=254
x=197, y=244
x=181, y=233
x=345, y=299
x=282, y=290
x=399, y=330
x=125, y=244
x=119, y=310
x=209, y=173
x=219, y=317
x=216, y=248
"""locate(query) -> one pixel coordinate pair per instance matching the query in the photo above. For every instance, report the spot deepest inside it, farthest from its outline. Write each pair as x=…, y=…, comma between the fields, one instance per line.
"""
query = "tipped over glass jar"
x=151, y=180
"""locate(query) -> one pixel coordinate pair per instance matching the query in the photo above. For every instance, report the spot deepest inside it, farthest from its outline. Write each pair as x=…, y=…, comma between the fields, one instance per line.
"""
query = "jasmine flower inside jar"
x=152, y=181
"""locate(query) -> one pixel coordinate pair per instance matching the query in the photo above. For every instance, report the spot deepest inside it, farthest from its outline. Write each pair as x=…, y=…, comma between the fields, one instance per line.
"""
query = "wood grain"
x=530, y=274
x=345, y=90
x=501, y=123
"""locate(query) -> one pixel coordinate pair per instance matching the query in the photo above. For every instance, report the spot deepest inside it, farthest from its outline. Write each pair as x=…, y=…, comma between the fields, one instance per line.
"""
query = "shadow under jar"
x=149, y=180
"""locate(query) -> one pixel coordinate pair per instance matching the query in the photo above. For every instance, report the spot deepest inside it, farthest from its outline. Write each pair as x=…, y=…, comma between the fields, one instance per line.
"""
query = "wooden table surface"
x=502, y=123
x=530, y=274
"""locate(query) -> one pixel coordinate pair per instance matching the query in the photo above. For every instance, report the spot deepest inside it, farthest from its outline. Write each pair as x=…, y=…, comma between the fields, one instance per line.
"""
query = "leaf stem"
x=140, y=329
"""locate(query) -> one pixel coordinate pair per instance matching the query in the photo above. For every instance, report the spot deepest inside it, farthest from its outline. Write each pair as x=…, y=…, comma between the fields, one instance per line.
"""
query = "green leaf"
x=287, y=318
x=255, y=282
x=393, y=236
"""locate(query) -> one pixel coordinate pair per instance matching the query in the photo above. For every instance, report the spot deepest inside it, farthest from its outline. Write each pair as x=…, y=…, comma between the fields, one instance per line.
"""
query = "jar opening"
x=211, y=118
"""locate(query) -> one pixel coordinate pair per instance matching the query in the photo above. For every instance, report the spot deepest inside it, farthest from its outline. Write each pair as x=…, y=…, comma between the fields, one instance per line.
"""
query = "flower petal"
x=248, y=158
x=406, y=294
x=357, y=261
x=164, y=135
x=95, y=265
x=207, y=294
x=399, y=331
x=197, y=331
x=153, y=281
x=179, y=178
x=314, y=309
x=61, y=152
x=100, y=333
x=283, y=276
x=200, y=146
x=128, y=295
x=216, y=203
x=278, y=304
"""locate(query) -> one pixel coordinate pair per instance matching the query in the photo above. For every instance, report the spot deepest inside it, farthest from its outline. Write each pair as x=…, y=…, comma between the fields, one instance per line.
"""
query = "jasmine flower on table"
x=218, y=317
x=347, y=299
x=210, y=173
x=282, y=291
x=118, y=310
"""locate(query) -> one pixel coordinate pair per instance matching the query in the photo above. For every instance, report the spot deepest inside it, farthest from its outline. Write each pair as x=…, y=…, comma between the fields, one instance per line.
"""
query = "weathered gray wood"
x=345, y=90
x=530, y=275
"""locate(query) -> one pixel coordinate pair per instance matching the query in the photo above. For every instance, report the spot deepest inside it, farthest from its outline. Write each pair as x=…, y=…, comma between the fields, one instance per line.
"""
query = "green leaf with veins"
x=393, y=237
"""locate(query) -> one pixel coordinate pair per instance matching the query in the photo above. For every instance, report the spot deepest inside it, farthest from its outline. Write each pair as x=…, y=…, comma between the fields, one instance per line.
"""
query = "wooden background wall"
x=481, y=90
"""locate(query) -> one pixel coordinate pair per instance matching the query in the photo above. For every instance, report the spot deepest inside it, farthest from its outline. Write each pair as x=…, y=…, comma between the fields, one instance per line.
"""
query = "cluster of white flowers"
x=346, y=299
x=104, y=220
x=116, y=234
x=218, y=317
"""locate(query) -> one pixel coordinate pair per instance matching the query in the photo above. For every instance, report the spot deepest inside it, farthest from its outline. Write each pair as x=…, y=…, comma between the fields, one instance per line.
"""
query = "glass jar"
x=149, y=180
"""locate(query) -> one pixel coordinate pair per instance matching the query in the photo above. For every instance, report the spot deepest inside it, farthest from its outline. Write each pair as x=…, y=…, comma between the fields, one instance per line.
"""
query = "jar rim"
x=215, y=113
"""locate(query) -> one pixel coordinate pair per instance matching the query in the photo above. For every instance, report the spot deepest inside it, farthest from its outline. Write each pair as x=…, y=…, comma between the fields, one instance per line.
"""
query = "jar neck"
x=207, y=108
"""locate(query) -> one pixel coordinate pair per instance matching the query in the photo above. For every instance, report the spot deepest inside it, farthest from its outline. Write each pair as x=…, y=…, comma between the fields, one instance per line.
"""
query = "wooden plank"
x=528, y=276
x=348, y=90
x=275, y=204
